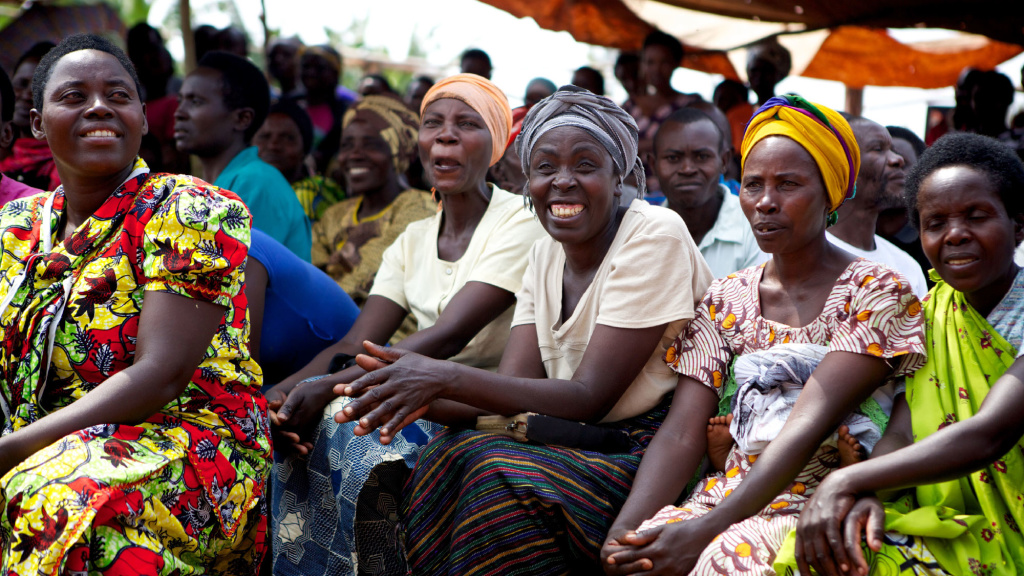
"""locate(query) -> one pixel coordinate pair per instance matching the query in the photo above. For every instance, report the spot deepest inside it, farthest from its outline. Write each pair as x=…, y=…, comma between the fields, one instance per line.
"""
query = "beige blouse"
x=413, y=276
x=652, y=274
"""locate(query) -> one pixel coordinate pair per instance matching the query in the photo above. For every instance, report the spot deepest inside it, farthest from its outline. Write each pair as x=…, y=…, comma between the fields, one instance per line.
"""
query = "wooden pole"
x=187, y=36
x=266, y=29
x=854, y=101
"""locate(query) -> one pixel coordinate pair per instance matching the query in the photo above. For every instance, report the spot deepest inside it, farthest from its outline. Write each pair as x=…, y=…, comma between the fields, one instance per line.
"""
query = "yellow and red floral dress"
x=182, y=492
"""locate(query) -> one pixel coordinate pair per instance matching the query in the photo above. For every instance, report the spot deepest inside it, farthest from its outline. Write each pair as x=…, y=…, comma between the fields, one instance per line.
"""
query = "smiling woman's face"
x=92, y=116
x=573, y=185
x=967, y=234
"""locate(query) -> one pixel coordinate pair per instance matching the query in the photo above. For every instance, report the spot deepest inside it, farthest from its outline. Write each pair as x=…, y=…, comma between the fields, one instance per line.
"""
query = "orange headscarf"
x=485, y=98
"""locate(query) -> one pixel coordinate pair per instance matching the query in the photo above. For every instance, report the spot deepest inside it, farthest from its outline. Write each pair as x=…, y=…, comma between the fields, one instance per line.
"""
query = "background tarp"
x=858, y=51
x=53, y=22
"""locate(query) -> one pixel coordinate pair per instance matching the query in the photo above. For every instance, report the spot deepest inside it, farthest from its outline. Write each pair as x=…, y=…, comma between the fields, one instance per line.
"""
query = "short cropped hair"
x=689, y=115
x=674, y=46
x=475, y=53
x=6, y=97
x=35, y=52
x=74, y=44
x=906, y=134
x=997, y=161
x=595, y=75
x=244, y=86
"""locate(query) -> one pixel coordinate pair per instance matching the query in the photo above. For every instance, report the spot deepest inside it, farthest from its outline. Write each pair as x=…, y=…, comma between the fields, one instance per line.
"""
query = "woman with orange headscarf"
x=457, y=273
x=800, y=162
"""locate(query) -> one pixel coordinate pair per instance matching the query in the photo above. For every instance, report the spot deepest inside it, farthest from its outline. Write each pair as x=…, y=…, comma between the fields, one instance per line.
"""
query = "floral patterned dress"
x=871, y=310
x=182, y=492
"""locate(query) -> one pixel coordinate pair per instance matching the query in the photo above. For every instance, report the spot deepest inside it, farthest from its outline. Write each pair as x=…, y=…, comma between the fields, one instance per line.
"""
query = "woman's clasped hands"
x=832, y=527
x=396, y=391
x=666, y=550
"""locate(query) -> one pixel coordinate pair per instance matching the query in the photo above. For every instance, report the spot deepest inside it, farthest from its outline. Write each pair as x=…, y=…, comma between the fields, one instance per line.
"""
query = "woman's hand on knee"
x=819, y=538
x=613, y=544
x=297, y=415
x=667, y=550
x=866, y=520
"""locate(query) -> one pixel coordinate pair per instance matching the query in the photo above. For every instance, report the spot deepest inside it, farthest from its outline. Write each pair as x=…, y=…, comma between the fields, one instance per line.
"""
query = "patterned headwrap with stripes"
x=597, y=115
x=399, y=126
x=821, y=131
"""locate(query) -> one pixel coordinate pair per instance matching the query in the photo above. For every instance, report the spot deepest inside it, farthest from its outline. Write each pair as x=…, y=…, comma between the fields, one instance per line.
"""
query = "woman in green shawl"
x=957, y=437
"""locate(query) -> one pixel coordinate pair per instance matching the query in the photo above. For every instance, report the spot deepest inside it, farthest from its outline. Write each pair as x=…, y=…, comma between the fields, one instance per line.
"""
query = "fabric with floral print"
x=972, y=524
x=182, y=492
x=871, y=310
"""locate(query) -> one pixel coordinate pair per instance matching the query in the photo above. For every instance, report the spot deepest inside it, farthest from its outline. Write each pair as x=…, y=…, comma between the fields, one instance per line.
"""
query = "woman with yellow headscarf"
x=456, y=273
x=378, y=141
x=800, y=164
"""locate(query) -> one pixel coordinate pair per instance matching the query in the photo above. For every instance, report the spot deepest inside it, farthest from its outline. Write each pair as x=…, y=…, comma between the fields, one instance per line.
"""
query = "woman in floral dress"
x=800, y=162
x=133, y=443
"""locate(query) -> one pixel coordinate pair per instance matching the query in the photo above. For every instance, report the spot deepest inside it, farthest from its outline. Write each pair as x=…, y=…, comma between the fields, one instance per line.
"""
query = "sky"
x=521, y=50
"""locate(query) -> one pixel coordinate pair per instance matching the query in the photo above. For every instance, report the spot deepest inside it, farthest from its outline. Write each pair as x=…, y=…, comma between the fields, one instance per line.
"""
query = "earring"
x=433, y=196
x=832, y=218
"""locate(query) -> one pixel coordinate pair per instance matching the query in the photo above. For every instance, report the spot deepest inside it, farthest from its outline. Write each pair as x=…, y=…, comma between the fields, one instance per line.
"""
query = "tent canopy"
x=858, y=55
x=997, y=19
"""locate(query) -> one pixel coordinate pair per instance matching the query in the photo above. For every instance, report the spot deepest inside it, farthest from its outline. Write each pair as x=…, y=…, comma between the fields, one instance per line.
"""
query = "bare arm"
x=841, y=381
x=174, y=333
x=612, y=361
x=954, y=451
x=949, y=453
x=521, y=359
x=672, y=457
x=898, y=432
x=256, y=281
x=476, y=305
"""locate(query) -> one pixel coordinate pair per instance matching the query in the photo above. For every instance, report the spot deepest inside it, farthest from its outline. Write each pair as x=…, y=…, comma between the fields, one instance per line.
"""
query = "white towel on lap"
x=768, y=384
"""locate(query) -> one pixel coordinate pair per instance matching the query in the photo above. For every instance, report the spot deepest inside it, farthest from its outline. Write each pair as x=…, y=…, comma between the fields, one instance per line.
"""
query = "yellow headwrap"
x=485, y=98
x=825, y=134
x=400, y=127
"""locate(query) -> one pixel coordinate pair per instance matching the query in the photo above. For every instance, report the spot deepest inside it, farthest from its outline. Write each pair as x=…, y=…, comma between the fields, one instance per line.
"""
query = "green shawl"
x=971, y=525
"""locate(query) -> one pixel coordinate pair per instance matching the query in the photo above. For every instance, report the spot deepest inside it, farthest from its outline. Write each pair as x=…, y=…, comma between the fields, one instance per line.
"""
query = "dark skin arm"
x=842, y=380
x=669, y=463
x=256, y=280
x=174, y=333
x=476, y=305
x=948, y=454
x=521, y=359
x=821, y=520
x=613, y=358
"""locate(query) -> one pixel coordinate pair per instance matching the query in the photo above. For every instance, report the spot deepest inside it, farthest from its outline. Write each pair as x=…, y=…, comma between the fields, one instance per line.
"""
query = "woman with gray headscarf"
x=588, y=338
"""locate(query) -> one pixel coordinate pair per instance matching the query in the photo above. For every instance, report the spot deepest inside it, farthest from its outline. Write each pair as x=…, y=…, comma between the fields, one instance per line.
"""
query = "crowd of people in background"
x=255, y=320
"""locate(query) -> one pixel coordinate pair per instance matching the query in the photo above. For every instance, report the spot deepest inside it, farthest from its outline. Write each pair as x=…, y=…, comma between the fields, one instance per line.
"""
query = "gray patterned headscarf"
x=612, y=126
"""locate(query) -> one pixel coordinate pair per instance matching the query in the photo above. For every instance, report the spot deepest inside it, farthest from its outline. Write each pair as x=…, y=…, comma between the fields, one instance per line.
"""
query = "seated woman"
x=457, y=272
x=284, y=141
x=379, y=139
x=957, y=434
x=591, y=327
x=800, y=164
x=135, y=440
x=661, y=55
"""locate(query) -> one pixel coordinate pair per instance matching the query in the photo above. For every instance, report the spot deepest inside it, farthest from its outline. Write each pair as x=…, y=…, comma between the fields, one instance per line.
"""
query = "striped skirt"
x=479, y=503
